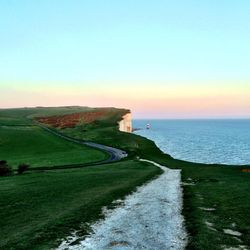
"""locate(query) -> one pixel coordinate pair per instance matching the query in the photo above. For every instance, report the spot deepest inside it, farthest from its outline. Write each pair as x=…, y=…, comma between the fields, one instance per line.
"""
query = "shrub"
x=22, y=168
x=5, y=169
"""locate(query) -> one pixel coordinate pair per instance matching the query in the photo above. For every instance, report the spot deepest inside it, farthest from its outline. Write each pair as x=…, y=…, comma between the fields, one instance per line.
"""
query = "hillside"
x=41, y=208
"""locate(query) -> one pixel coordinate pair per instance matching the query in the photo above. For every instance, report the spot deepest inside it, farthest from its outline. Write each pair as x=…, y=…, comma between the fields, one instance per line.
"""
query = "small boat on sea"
x=148, y=126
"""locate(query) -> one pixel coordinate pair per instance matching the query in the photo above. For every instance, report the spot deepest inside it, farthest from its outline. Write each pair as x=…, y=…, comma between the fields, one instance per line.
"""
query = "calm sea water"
x=207, y=141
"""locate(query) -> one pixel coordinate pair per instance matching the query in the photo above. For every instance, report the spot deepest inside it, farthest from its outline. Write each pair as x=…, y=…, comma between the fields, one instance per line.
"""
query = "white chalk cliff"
x=125, y=125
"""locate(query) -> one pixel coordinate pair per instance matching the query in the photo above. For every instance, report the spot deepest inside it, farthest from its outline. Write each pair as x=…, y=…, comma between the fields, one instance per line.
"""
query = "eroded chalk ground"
x=150, y=218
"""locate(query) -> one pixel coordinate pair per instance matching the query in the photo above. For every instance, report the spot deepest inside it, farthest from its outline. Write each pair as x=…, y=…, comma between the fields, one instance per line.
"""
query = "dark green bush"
x=22, y=168
x=5, y=169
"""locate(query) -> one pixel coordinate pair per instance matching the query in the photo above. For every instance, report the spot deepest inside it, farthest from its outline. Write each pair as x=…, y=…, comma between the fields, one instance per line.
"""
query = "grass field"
x=223, y=188
x=36, y=209
x=40, y=208
x=23, y=116
x=34, y=146
x=216, y=197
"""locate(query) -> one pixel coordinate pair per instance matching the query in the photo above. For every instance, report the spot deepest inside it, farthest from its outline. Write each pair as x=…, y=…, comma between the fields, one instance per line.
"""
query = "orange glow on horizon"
x=173, y=101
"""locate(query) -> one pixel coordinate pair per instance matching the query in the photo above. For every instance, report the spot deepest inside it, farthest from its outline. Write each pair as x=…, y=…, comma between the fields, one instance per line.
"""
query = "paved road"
x=115, y=153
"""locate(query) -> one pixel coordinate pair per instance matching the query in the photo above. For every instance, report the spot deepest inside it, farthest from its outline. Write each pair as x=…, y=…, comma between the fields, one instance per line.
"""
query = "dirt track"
x=150, y=218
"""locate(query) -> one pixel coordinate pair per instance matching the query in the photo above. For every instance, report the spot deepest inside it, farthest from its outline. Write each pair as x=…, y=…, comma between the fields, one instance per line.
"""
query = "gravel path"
x=150, y=218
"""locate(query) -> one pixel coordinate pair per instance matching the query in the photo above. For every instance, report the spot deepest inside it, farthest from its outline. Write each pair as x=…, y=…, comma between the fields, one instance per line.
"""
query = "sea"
x=204, y=141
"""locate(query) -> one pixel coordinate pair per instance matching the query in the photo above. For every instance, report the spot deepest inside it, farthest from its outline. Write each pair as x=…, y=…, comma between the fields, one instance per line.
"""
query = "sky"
x=161, y=58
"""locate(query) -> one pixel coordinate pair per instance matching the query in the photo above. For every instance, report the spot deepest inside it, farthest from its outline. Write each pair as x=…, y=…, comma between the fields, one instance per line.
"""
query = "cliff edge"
x=125, y=125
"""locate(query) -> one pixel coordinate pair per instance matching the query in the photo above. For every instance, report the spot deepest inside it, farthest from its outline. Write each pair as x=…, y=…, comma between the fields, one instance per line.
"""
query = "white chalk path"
x=150, y=218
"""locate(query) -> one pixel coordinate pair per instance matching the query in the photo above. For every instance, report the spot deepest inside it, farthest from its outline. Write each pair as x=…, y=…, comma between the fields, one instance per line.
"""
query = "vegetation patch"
x=5, y=169
x=71, y=120
x=224, y=191
x=22, y=168
x=39, y=148
x=39, y=209
x=245, y=170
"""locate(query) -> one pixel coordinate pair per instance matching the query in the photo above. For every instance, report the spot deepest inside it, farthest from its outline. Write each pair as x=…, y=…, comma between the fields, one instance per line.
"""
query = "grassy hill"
x=21, y=141
x=33, y=146
x=215, y=195
x=40, y=208
x=23, y=116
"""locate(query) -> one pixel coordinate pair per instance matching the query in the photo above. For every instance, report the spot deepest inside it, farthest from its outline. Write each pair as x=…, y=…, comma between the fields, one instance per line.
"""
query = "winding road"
x=115, y=153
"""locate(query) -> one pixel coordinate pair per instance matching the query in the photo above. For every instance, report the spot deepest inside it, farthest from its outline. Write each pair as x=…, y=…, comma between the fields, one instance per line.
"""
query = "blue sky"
x=159, y=43
x=134, y=40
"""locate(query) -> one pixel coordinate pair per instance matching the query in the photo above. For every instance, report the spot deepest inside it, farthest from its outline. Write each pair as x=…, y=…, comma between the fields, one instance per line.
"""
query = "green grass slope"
x=38, y=209
x=216, y=197
x=34, y=146
x=225, y=189
x=23, y=116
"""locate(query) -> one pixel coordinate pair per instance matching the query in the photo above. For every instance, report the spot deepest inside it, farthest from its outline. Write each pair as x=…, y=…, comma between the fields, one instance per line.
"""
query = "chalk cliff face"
x=125, y=124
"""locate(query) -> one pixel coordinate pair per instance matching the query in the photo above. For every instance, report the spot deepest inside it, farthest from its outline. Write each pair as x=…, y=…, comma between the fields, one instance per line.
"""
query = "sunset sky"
x=161, y=58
